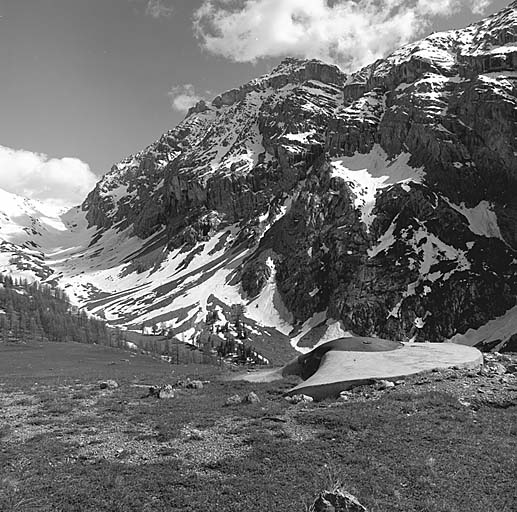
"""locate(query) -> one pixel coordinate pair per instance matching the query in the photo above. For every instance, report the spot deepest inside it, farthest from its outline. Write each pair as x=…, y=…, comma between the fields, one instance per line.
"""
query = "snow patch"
x=482, y=218
x=367, y=173
x=268, y=308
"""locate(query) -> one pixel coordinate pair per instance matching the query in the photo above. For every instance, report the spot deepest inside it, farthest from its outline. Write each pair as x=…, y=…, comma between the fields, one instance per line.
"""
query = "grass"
x=69, y=446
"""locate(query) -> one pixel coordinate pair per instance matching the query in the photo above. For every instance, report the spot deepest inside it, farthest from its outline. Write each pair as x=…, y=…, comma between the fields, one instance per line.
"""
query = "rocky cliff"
x=379, y=203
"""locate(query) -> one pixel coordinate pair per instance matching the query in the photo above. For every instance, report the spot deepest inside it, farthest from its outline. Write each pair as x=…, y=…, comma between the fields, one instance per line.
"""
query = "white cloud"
x=350, y=33
x=58, y=182
x=480, y=6
x=157, y=9
x=183, y=97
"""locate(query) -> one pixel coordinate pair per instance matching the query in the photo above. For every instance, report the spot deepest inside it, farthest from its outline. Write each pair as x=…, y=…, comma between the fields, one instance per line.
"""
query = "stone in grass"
x=344, y=396
x=166, y=392
x=384, y=384
x=492, y=369
x=252, y=398
x=233, y=400
x=154, y=391
x=194, y=384
x=299, y=399
x=109, y=384
x=336, y=501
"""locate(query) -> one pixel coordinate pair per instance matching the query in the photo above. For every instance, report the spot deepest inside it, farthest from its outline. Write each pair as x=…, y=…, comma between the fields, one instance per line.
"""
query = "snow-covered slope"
x=379, y=203
x=24, y=226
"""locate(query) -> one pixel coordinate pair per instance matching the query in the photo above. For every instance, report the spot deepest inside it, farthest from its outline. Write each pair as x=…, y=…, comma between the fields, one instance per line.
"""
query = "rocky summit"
x=381, y=203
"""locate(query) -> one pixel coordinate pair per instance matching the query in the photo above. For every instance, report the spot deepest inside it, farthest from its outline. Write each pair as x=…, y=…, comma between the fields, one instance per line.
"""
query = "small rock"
x=252, y=398
x=400, y=382
x=344, y=396
x=337, y=501
x=109, y=384
x=154, y=391
x=384, y=384
x=298, y=399
x=195, y=435
x=464, y=402
x=166, y=392
x=194, y=384
x=493, y=369
x=233, y=400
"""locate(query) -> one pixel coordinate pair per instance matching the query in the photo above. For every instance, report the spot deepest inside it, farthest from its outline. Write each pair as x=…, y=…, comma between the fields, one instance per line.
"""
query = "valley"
x=306, y=288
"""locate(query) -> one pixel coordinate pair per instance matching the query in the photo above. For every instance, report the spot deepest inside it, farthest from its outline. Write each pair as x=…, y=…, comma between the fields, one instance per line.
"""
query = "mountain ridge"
x=327, y=203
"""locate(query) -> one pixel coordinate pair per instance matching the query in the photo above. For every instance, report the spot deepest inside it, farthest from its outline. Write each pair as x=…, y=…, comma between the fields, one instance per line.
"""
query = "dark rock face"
x=436, y=238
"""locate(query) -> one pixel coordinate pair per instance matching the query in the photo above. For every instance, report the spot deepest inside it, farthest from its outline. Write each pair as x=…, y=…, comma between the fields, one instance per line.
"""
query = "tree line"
x=34, y=311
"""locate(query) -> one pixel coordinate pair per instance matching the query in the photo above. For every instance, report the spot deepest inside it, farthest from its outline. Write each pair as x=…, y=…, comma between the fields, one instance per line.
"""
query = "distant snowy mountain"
x=325, y=203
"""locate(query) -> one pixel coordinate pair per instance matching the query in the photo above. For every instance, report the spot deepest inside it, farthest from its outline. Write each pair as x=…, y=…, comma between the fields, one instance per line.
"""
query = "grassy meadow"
x=67, y=445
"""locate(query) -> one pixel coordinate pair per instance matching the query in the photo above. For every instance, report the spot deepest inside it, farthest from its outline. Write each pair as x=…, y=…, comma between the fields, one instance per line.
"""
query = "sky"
x=87, y=82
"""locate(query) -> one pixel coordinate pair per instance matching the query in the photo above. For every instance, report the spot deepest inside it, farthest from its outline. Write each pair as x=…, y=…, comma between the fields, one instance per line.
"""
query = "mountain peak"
x=376, y=203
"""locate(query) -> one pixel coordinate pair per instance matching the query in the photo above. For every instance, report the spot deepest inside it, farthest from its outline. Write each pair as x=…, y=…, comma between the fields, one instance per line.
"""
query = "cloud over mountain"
x=59, y=182
x=183, y=97
x=348, y=33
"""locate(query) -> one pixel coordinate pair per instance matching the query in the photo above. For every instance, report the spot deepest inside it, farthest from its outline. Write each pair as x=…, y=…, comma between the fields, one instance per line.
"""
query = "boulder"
x=194, y=384
x=336, y=501
x=384, y=384
x=233, y=400
x=344, y=396
x=298, y=399
x=154, y=391
x=166, y=391
x=252, y=398
x=492, y=369
x=109, y=384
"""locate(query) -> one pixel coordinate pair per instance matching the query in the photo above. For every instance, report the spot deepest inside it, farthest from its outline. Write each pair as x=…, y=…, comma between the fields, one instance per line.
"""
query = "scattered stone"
x=189, y=384
x=154, y=391
x=194, y=384
x=337, y=501
x=344, y=396
x=299, y=399
x=464, y=402
x=233, y=400
x=384, y=384
x=166, y=391
x=400, y=382
x=193, y=434
x=492, y=369
x=252, y=398
x=109, y=384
